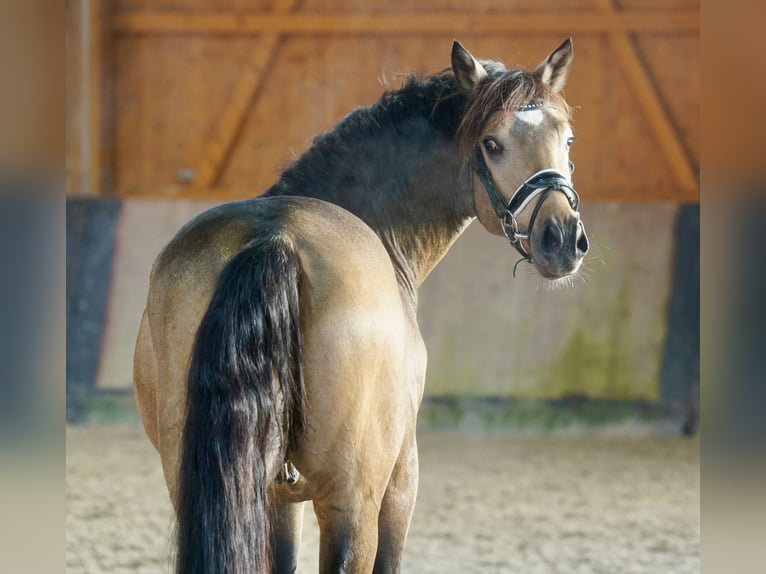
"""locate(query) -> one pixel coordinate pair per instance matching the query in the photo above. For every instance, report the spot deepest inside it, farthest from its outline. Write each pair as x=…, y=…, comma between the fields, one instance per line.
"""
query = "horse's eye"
x=492, y=146
x=570, y=141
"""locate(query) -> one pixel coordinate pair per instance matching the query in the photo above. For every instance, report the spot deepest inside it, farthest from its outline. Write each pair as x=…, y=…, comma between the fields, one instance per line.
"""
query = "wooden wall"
x=210, y=99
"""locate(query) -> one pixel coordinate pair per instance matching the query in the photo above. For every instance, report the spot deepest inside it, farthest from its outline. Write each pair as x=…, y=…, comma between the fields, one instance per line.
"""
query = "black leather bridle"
x=539, y=184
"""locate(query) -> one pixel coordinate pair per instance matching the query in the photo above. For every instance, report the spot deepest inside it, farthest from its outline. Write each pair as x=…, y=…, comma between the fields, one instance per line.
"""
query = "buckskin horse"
x=279, y=359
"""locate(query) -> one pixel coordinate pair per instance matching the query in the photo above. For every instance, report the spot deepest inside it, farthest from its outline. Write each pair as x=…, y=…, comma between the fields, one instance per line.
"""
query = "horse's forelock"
x=502, y=92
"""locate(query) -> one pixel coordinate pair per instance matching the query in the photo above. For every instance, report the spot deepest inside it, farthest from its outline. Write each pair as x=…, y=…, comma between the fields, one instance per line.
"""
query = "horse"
x=279, y=358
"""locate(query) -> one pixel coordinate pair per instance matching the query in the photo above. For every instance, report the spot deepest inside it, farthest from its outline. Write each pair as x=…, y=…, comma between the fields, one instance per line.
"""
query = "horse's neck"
x=431, y=209
x=409, y=190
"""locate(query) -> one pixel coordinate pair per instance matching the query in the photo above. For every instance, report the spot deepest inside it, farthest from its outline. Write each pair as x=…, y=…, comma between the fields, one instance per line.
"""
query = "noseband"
x=539, y=184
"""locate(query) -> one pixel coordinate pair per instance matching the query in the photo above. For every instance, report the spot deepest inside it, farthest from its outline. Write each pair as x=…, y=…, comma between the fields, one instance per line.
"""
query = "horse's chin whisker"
x=597, y=252
x=562, y=282
x=583, y=275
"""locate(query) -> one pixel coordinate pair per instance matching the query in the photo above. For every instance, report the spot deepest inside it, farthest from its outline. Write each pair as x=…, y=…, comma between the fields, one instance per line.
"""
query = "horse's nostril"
x=552, y=238
x=582, y=241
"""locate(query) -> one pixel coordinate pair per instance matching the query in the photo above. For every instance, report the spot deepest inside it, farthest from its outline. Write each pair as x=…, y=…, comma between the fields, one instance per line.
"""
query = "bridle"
x=541, y=184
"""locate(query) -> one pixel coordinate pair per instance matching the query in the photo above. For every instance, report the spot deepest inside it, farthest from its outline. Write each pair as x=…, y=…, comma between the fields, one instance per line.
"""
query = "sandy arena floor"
x=495, y=503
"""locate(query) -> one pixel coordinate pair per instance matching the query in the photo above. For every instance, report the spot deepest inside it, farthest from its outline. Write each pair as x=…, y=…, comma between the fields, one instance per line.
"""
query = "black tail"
x=245, y=390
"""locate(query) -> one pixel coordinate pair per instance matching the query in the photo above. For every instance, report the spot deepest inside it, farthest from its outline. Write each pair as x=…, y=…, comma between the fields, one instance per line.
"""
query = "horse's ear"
x=555, y=68
x=468, y=71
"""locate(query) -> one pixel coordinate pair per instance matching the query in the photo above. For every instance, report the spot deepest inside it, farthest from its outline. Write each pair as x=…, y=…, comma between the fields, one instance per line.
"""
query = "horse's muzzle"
x=561, y=247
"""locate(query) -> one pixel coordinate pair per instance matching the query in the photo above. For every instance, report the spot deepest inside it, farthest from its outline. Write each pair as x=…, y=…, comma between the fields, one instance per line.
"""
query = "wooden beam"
x=658, y=118
x=95, y=39
x=668, y=139
x=219, y=146
x=74, y=101
x=94, y=34
x=587, y=22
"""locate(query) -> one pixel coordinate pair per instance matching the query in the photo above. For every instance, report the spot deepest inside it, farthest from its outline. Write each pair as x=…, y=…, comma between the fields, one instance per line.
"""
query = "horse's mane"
x=435, y=98
x=411, y=112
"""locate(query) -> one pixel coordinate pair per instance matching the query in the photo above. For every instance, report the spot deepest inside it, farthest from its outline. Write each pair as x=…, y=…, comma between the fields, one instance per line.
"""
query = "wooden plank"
x=74, y=101
x=668, y=138
x=97, y=83
x=318, y=80
x=651, y=104
x=674, y=63
x=169, y=93
x=95, y=96
x=221, y=23
x=219, y=146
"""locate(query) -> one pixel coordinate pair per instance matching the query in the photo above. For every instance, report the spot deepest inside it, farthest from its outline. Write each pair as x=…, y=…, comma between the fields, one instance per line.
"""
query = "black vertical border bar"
x=91, y=226
x=680, y=373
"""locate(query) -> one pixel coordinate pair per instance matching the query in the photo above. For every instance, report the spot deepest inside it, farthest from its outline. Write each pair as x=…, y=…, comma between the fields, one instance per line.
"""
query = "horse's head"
x=515, y=133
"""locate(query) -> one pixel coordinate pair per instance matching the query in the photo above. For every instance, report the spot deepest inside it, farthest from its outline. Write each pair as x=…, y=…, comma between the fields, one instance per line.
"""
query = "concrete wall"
x=488, y=334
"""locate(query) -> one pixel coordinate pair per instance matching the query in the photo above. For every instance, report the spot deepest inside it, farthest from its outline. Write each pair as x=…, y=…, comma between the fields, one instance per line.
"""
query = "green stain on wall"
x=610, y=348
x=606, y=363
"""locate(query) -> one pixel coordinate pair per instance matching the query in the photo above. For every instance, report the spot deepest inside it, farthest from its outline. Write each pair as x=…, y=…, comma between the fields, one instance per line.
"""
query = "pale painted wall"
x=487, y=333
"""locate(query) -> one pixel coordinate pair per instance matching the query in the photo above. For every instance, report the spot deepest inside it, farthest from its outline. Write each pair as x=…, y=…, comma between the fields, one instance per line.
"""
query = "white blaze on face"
x=531, y=117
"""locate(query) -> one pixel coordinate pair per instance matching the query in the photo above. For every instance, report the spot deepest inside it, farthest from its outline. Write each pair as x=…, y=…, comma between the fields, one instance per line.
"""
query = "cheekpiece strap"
x=482, y=170
x=540, y=184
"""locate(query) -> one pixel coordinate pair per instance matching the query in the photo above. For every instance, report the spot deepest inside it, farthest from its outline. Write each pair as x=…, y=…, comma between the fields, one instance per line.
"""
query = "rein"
x=539, y=184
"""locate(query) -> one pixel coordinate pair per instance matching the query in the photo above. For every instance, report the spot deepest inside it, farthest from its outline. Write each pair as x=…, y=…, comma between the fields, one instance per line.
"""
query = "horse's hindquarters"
x=362, y=356
x=364, y=359
x=362, y=347
x=183, y=279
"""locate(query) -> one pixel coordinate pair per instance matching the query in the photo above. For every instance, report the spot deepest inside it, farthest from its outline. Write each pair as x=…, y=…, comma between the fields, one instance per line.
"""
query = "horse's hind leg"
x=396, y=510
x=348, y=534
x=368, y=535
x=286, y=526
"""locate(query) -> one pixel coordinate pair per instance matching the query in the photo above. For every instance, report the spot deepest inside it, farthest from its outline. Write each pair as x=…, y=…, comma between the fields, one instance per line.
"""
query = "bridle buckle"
x=510, y=226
